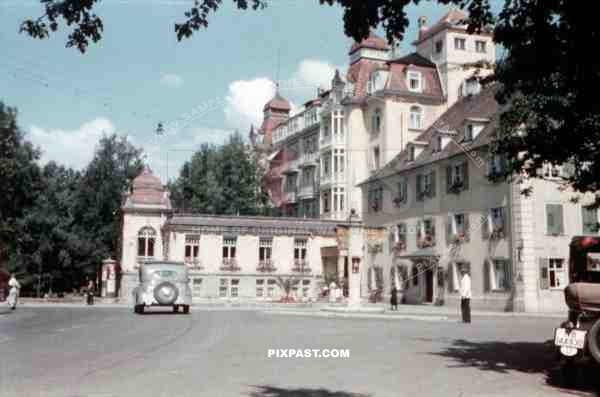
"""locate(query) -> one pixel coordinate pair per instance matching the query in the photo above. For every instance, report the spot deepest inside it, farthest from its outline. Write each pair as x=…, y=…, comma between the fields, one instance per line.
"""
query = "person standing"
x=465, y=295
x=90, y=293
x=13, y=294
x=394, y=298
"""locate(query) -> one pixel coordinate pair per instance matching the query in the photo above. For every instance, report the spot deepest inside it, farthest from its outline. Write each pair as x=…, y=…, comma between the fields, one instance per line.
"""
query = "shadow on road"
x=527, y=357
x=272, y=391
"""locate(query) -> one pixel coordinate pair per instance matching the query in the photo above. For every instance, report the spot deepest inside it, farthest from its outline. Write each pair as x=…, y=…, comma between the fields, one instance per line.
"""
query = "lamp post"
x=355, y=276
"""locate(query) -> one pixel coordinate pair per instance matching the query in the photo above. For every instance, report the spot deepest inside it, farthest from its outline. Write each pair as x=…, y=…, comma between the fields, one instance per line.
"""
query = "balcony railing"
x=309, y=159
x=193, y=263
x=230, y=265
x=294, y=125
x=292, y=195
x=307, y=191
x=266, y=266
x=301, y=266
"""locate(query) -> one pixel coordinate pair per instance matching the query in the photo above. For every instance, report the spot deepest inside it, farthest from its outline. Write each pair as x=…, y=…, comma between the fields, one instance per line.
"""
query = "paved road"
x=102, y=352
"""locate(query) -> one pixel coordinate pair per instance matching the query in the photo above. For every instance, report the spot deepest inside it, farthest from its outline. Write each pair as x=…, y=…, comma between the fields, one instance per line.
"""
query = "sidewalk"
x=366, y=309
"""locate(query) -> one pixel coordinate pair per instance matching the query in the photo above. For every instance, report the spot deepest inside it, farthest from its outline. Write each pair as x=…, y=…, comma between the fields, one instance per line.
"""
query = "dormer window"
x=469, y=132
x=411, y=153
x=439, y=45
x=416, y=118
x=437, y=143
x=415, y=83
x=472, y=130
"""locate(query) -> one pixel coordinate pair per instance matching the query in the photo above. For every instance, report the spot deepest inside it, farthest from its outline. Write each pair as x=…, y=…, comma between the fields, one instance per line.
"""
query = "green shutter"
x=448, y=178
x=465, y=171
x=544, y=273
x=419, y=186
x=487, y=274
x=433, y=183
x=449, y=228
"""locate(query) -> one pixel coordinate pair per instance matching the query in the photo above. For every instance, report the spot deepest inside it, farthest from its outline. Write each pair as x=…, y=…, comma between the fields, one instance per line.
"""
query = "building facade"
x=444, y=207
x=350, y=131
x=233, y=257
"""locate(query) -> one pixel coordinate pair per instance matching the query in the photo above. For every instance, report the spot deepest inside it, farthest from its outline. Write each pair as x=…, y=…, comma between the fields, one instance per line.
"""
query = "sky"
x=139, y=74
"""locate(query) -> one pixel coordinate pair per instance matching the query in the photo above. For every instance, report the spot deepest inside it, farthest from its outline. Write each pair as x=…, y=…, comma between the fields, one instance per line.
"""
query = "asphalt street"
x=111, y=352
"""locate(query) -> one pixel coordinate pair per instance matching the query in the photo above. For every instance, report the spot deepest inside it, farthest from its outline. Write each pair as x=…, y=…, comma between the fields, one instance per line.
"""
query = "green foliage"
x=221, y=180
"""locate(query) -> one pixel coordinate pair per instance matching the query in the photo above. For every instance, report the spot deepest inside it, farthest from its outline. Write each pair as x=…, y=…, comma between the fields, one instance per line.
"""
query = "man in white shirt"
x=465, y=294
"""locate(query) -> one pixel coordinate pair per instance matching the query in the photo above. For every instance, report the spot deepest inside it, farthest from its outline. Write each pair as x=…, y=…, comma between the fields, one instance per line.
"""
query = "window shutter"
x=559, y=218
x=448, y=178
x=449, y=228
x=433, y=183
x=466, y=221
x=465, y=171
x=544, y=273
x=486, y=228
x=419, y=230
x=450, y=276
x=432, y=223
x=419, y=186
x=554, y=218
x=487, y=275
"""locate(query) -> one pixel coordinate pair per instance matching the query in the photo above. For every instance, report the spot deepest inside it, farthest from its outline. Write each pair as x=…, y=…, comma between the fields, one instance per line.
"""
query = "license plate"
x=575, y=338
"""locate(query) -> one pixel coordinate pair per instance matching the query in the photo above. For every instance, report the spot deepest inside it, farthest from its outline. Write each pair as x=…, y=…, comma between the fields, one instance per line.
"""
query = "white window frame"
x=480, y=46
x=416, y=116
x=493, y=276
x=230, y=244
x=458, y=40
x=411, y=76
x=147, y=234
x=562, y=232
x=193, y=243
x=553, y=268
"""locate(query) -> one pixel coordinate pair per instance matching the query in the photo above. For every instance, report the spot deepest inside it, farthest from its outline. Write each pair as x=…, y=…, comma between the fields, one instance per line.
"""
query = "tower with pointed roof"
x=276, y=111
x=457, y=54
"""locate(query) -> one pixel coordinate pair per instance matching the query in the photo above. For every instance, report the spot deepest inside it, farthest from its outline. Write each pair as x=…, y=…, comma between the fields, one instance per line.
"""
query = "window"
x=495, y=165
x=326, y=163
x=375, y=199
x=196, y=286
x=299, y=248
x=223, y=287
x=235, y=284
x=229, y=245
x=415, y=275
x=402, y=193
x=554, y=219
x=589, y=218
x=552, y=273
x=146, y=241
x=416, y=118
x=271, y=283
x=469, y=132
x=192, y=247
x=426, y=185
x=500, y=274
x=411, y=153
x=456, y=228
x=376, y=157
x=376, y=121
x=437, y=145
x=493, y=226
x=426, y=233
x=551, y=171
x=397, y=238
x=414, y=81
x=260, y=288
x=326, y=202
x=439, y=45
x=305, y=288
x=480, y=46
x=457, y=177
x=459, y=43
x=264, y=249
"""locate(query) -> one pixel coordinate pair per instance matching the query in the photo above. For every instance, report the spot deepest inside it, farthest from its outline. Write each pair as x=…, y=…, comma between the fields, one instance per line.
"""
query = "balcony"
x=266, y=266
x=230, y=265
x=309, y=159
x=193, y=263
x=295, y=125
x=307, y=192
x=292, y=195
x=301, y=266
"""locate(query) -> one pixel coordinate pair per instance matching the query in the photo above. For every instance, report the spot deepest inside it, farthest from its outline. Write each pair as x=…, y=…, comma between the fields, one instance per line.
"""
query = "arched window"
x=416, y=118
x=146, y=240
x=376, y=122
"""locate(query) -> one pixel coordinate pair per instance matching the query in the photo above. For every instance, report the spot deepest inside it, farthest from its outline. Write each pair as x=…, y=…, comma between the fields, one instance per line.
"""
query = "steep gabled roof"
x=373, y=41
x=414, y=59
x=481, y=106
x=452, y=18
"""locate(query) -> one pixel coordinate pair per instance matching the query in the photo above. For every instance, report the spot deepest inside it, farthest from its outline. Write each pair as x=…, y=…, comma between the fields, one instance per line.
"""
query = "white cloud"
x=72, y=148
x=315, y=73
x=171, y=80
x=247, y=99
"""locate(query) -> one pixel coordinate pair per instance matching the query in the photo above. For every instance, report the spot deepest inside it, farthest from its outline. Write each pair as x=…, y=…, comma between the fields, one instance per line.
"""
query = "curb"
x=325, y=314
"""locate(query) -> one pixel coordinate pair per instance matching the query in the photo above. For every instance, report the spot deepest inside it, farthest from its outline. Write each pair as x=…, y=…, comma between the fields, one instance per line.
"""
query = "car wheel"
x=166, y=293
x=593, y=341
x=186, y=309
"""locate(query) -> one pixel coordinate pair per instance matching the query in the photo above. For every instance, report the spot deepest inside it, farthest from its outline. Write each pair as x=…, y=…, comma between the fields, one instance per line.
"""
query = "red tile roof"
x=373, y=41
x=450, y=19
x=278, y=102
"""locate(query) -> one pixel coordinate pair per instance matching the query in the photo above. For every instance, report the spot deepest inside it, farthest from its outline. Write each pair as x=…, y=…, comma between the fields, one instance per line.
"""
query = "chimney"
x=422, y=22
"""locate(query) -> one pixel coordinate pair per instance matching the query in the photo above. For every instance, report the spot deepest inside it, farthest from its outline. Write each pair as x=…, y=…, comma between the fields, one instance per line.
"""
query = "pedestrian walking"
x=465, y=295
x=13, y=294
x=90, y=293
x=394, y=298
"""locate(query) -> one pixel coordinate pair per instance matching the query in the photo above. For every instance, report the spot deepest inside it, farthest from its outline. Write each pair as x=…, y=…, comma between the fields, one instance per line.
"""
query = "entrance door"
x=429, y=285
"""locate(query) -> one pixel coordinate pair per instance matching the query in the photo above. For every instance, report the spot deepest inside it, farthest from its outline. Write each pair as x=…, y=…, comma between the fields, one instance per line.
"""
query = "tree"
x=20, y=180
